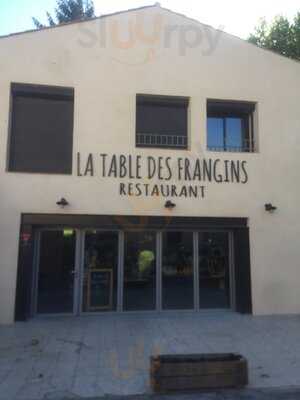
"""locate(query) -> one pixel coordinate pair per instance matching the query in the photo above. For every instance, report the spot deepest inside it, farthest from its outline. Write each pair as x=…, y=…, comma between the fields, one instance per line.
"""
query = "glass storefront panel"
x=61, y=279
x=139, y=271
x=177, y=271
x=214, y=274
x=55, y=286
x=100, y=278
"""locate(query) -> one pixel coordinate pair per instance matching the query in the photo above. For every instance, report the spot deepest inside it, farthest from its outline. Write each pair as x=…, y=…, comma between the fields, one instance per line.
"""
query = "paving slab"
x=90, y=356
x=260, y=394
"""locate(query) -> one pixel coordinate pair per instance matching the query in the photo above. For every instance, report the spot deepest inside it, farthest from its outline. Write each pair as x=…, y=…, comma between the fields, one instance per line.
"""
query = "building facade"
x=148, y=163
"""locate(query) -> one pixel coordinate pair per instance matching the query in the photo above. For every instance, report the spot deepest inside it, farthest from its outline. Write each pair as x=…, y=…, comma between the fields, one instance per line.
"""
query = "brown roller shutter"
x=41, y=137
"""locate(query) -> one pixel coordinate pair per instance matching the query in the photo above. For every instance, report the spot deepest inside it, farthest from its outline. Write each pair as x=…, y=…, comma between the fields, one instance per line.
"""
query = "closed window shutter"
x=41, y=138
x=162, y=121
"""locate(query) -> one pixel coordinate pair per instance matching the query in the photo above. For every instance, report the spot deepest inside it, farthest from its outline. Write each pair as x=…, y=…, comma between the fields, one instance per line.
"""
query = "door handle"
x=73, y=272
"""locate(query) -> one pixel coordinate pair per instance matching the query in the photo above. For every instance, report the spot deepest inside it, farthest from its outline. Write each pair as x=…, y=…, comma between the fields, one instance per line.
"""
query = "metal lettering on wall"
x=162, y=176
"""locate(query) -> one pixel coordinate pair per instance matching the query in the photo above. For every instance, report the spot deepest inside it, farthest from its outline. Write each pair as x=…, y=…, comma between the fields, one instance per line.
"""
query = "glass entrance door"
x=100, y=273
x=177, y=271
x=56, y=272
x=139, y=289
x=214, y=270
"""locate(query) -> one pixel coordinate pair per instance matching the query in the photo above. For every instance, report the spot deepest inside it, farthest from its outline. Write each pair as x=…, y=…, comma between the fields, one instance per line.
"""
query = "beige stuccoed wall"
x=106, y=79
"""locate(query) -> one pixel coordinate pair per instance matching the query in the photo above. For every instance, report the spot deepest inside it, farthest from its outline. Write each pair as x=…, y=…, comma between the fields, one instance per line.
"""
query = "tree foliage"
x=281, y=36
x=68, y=10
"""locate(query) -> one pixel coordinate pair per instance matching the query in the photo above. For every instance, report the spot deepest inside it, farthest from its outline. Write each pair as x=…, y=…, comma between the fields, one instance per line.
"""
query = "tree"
x=68, y=10
x=280, y=35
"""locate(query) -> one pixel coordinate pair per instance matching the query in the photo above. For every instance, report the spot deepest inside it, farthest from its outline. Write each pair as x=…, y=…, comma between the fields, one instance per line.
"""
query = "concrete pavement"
x=94, y=356
x=263, y=394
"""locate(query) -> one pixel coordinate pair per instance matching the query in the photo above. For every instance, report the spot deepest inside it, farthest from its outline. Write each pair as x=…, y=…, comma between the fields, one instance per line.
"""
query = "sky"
x=238, y=17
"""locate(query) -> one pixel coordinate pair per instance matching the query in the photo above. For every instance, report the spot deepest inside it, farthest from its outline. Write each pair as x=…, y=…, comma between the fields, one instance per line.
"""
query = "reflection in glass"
x=177, y=271
x=234, y=133
x=100, y=280
x=56, y=271
x=226, y=133
x=139, y=271
x=215, y=133
x=214, y=270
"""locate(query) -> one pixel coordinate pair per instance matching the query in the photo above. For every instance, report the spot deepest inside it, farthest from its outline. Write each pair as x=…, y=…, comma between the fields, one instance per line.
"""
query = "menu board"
x=100, y=289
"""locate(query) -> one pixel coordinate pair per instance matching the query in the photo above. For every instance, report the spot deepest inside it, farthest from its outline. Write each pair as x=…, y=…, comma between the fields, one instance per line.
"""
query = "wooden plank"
x=203, y=357
x=198, y=372
x=186, y=369
x=199, y=383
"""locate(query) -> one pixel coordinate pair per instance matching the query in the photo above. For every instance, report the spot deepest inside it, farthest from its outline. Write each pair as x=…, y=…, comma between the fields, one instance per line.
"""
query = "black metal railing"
x=158, y=140
x=247, y=147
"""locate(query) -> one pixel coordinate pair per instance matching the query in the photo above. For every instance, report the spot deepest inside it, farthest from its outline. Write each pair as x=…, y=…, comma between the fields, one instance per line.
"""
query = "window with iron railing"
x=161, y=121
x=230, y=126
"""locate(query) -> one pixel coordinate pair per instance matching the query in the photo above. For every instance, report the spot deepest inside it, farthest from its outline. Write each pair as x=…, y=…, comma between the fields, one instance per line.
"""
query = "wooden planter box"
x=198, y=372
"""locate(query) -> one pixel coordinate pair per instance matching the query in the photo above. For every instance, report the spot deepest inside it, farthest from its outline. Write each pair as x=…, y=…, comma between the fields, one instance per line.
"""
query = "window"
x=230, y=126
x=161, y=121
x=100, y=276
x=177, y=270
x=41, y=136
x=214, y=270
x=139, y=286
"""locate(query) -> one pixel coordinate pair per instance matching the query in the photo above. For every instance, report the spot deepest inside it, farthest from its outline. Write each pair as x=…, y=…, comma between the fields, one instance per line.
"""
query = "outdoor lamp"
x=269, y=207
x=62, y=202
x=169, y=204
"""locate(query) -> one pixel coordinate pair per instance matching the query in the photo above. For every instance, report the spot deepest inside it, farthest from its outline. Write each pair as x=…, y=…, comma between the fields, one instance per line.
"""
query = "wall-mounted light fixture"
x=169, y=205
x=62, y=202
x=269, y=207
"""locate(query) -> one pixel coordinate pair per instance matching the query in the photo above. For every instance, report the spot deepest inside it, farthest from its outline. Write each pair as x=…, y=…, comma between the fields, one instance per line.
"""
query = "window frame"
x=165, y=100
x=34, y=90
x=225, y=109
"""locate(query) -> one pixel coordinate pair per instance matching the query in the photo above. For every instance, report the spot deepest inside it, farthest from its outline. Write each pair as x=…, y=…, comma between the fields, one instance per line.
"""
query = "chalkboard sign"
x=100, y=289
